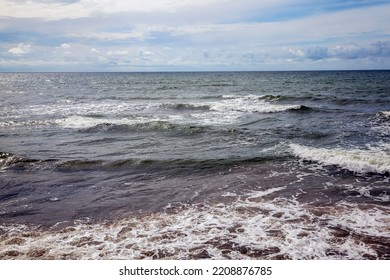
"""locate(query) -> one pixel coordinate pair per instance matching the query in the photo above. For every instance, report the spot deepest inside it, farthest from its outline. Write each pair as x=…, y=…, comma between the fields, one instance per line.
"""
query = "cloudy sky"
x=174, y=35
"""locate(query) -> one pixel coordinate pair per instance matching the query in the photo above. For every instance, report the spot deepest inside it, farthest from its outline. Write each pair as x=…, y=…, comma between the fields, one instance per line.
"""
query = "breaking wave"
x=371, y=160
x=239, y=103
x=11, y=160
x=250, y=103
x=92, y=124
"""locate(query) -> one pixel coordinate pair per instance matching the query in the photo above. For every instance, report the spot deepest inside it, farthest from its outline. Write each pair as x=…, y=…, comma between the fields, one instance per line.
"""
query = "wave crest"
x=372, y=160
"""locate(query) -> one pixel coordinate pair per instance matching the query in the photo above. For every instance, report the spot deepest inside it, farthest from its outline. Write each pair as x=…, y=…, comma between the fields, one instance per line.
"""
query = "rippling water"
x=235, y=165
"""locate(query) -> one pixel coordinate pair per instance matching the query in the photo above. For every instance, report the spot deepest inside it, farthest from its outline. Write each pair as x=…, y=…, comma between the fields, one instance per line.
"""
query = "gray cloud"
x=382, y=48
x=349, y=51
x=316, y=53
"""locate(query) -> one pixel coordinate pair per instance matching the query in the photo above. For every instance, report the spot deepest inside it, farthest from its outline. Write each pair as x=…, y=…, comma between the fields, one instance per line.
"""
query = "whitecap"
x=249, y=103
x=370, y=160
x=82, y=122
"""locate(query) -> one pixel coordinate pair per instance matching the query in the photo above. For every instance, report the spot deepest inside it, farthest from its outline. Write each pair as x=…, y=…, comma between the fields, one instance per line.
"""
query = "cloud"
x=108, y=36
x=65, y=46
x=316, y=53
x=347, y=51
x=184, y=33
x=21, y=49
x=94, y=50
x=58, y=10
x=118, y=53
x=382, y=48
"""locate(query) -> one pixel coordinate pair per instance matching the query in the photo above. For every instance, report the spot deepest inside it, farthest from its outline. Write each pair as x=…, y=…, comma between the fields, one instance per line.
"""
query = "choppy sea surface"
x=219, y=165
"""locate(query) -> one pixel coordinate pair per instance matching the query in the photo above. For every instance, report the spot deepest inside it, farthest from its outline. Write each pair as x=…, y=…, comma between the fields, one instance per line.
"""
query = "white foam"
x=374, y=222
x=386, y=113
x=374, y=160
x=230, y=110
x=80, y=122
x=29, y=123
x=63, y=109
x=87, y=122
x=381, y=124
x=247, y=228
x=211, y=118
x=251, y=97
x=266, y=192
x=76, y=114
x=249, y=103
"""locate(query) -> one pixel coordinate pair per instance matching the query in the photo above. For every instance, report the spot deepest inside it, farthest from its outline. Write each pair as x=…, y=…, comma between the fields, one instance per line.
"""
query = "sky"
x=194, y=35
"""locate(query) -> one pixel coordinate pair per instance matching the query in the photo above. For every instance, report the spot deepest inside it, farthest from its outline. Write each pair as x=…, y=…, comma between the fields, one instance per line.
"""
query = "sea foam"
x=371, y=160
x=249, y=103
x=251, y=228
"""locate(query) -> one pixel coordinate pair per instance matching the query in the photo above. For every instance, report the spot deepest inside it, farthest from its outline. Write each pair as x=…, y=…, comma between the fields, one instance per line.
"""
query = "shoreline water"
x=274, y=216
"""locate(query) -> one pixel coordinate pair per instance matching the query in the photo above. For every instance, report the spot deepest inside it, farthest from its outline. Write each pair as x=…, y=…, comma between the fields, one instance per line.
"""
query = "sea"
x=195, y=165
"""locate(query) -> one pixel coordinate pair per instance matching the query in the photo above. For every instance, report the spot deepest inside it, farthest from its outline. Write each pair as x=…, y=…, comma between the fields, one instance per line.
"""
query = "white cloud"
x=118, y=53
x=57, y=10
x=44, y=10
x=87, y=34
x=296, y=53
x=21, y=49
x=65, y=46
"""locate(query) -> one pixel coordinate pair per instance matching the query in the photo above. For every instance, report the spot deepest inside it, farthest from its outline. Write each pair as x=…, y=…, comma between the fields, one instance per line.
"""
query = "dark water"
x=268, y=165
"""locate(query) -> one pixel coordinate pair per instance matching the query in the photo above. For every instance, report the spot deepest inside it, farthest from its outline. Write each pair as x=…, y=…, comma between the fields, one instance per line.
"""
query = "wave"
x=372, y=160
x=187, y=106
x=236, y=96
x=239, y=104
x=176, y=166
x=270, y=97
x=383, y=116
x=381, y=123
x=108, y=107
x=266, y=97
x=192, y=118
x=150, y=126
x=226, y=109
x=250, y=104
x=93, y=124
x=11, y=160
x=253, y=107
x=302, y=108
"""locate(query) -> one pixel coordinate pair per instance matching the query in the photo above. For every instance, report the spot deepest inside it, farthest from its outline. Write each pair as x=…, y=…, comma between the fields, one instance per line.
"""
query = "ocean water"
x=219, y=165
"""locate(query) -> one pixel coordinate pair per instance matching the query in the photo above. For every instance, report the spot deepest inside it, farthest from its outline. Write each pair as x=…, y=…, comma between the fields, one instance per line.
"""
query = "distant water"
x=235, y=165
